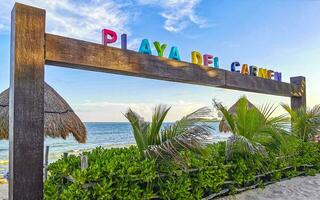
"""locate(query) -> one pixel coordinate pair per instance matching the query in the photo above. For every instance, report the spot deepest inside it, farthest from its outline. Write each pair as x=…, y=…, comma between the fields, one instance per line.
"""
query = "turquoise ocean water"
x=105, y=134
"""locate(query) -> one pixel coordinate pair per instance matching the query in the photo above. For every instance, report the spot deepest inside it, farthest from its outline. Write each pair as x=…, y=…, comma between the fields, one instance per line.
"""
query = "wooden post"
x=46, y=161
x=26, y=107
x=299, y=101
x=84, y=162
x=65, y=155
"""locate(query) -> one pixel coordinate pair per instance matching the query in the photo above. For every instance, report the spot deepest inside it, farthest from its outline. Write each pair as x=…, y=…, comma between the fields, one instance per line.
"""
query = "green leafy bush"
x=121, y=174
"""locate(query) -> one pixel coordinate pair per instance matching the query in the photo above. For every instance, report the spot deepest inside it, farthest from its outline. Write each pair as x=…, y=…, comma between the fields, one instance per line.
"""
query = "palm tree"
x=254, y=129
x=157, y=141
x=305, y=123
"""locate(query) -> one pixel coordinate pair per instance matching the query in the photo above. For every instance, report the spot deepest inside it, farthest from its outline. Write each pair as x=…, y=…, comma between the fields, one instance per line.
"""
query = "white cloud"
x=134, y=43
x=5, y=15
x=85, y=19
x=178, y=14
x=82, y=20
x=2, y=27
x=111, y=111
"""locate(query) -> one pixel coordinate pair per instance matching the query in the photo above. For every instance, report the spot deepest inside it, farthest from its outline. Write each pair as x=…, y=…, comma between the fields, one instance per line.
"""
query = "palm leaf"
x=186, y=122
x=304, y=123
x=159, y=114
x=140, y=129
x=187, y=133
x=193, y=138
x=255, y=127
x=226, y=115
x=240, y=144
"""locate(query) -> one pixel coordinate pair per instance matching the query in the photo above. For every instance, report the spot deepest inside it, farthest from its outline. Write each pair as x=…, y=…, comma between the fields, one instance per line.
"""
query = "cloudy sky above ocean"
x=276, y=34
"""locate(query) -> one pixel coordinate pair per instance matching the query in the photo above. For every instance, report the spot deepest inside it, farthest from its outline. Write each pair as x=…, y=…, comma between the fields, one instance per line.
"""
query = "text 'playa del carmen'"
x=110, y=36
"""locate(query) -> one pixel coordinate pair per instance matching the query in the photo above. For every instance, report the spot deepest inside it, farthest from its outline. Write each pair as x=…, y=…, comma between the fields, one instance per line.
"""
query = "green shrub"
x=120, y=173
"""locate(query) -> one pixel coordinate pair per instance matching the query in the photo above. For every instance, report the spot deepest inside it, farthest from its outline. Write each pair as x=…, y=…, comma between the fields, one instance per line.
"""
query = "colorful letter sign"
x=207, y=59
x=145, y=47
x=160, y=48
x=174, y=54
x=124, y=41
x=245, y=69
x=196, y=58
x=216, y=62
x=255, y=71
x=234, y=66
x=109, y=37
x=277, y=76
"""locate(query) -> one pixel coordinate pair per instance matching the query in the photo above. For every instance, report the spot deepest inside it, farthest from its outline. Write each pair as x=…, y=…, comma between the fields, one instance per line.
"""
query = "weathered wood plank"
x=83, y=162
x=242, y=82
x=46, y=162
x=26, y=117
x=73, y=53
x=299, y=100
x=67, y=52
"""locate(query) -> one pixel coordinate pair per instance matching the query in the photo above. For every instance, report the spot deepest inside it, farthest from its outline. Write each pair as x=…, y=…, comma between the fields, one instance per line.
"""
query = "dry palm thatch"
x=59, y=118
x=223, y=126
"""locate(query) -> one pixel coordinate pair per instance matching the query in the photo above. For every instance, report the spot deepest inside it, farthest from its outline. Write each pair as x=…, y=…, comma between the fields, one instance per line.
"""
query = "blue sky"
x=283, y=35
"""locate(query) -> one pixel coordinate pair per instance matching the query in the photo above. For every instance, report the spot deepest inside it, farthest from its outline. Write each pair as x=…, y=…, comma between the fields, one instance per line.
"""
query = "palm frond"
x=304, y=123
x=315, y=111
x=154, y=141
x=186, y=122
x=255, y=127
x=291, y=112
x=193, y=138
x=240, y=144
x=159, y=114
x=140, y=129
x=226, y=115
x=267, y=110
x=201, y=113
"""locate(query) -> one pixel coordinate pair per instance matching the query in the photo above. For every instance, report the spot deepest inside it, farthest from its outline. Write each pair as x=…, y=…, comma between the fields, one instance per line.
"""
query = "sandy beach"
x=3, y=191
x=299, y=188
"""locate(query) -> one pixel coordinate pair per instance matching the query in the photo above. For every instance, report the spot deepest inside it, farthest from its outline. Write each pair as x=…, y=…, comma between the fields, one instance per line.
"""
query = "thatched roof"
x=223, y=126
x=59, y=118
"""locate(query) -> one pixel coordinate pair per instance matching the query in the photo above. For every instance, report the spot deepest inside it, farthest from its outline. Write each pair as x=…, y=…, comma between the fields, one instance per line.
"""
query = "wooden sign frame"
x=32, y=48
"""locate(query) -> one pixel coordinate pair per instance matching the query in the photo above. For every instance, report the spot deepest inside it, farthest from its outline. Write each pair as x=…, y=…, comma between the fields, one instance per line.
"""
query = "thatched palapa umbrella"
x=59, y=118
x=223, y=126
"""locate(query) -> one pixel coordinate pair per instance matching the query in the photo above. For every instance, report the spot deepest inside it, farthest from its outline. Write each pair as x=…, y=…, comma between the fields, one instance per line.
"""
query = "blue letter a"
x=145, y=47
x=174, y=54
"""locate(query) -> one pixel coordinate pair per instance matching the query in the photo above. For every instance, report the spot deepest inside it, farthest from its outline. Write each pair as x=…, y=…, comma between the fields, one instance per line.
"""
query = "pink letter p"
x=105, y=39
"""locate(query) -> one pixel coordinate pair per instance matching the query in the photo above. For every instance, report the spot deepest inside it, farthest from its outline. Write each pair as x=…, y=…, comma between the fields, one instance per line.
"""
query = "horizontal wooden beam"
x=67, y=52
x=242, y=82
x=73, y=53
